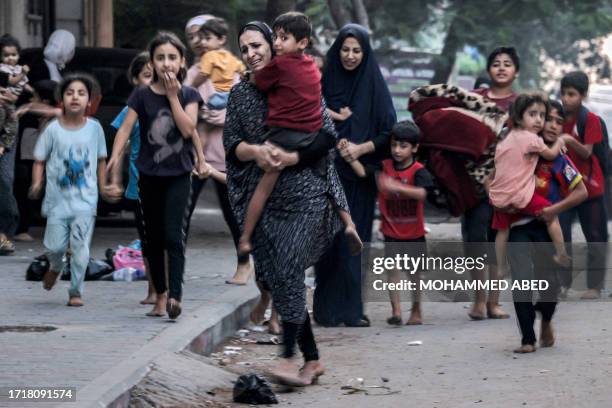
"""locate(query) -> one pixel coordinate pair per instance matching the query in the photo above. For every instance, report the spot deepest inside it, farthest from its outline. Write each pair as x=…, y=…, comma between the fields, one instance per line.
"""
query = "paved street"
x=460, y=363
x=112, y=326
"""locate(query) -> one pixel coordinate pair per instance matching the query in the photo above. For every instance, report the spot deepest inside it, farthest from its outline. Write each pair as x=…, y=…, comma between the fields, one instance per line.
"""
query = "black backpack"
x=600, y=150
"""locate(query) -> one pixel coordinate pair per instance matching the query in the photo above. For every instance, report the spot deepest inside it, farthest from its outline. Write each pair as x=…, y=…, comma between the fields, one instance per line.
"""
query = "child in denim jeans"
x=72, y=153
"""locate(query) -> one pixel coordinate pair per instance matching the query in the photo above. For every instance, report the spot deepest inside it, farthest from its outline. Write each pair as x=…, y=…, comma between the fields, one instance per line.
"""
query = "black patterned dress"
x=299, y=221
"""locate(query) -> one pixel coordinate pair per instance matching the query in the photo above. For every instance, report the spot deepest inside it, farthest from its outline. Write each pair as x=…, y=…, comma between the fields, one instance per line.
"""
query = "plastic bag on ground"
x=253, y=389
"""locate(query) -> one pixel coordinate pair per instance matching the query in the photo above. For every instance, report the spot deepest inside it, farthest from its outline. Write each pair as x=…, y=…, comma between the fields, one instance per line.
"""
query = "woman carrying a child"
x=361, y=105
x=299, y=220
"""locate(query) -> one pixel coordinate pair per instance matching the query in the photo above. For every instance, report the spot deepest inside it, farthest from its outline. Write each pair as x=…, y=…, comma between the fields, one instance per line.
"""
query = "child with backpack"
x=588, y=149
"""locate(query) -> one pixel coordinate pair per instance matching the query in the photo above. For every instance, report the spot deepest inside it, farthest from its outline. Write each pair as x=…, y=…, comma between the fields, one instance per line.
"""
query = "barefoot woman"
x=299, y=220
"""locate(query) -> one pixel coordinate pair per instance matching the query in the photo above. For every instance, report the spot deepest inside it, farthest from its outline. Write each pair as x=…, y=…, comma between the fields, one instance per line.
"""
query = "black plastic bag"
x=37, y=268
x=253, y=389
x=95, y=270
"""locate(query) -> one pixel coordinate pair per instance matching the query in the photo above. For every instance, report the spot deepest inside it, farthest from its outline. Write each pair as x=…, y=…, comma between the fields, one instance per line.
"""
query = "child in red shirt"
x=592, y=213
x=292, y=81
x=403, y=184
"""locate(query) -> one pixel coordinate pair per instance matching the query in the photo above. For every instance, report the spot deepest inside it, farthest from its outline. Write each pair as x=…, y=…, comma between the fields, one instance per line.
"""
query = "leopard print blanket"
x=477, y=107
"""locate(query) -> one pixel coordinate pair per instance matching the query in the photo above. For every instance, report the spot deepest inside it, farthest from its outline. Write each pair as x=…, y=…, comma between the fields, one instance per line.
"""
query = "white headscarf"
x=198, y=20
x=58, y=52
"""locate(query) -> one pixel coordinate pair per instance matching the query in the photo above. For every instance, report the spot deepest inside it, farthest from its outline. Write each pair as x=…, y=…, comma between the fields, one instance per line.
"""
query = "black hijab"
x=263, y=28
x=363, y=90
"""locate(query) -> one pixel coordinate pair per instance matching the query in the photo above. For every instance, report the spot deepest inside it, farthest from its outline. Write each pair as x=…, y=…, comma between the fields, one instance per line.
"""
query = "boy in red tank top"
x=403, y=184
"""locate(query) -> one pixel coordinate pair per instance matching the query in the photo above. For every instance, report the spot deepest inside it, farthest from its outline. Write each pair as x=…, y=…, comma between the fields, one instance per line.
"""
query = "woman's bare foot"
x=242, y=275
x=159, y=310
x=525, y=348
x=547, y=335
x=244, y=246
x=287, y=372
x=563, y=260
x=354, y=242
x=311, y=371
x=151, y=299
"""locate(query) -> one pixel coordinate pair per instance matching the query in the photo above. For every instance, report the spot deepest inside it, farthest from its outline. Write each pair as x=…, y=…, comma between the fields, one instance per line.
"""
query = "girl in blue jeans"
x=72, y=152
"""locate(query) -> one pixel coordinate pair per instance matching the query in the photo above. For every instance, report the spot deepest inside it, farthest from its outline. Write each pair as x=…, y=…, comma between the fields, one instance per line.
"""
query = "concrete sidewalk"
x=104, y=348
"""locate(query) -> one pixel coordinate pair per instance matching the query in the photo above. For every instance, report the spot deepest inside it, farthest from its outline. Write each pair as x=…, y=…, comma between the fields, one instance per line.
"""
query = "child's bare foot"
x=311, y=371
x=244, y=246
x=259, y=311
x=547, y=335
x=49, y=279
x=415, y=318
x=75, y=301
x=151, y=299
x=563, y=260
x=242, y=275
x=525, y=348
x=286, y=372
x=274, y=327
x=354, y=242
x=159, y=310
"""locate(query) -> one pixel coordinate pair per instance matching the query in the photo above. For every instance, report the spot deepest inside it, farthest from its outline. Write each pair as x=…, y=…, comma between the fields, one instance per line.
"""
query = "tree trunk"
x=337, y=9
x=274, y=8
x=443, y=64
x=360, y=13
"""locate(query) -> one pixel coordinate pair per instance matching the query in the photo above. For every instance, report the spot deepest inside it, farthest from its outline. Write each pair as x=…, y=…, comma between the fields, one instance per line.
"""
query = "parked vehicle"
x=109, y=66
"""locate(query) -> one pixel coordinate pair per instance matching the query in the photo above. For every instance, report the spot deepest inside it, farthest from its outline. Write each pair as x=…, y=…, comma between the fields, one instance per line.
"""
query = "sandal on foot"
x=173, y=308
x=6, y=247
x=394, y=321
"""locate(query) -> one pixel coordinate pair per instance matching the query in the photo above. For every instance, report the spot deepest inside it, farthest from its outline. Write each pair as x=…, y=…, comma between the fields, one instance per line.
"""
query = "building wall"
x=31, y=21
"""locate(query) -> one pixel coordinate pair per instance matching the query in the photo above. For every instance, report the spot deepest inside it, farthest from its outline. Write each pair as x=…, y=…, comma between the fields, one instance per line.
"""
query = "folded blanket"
x=459, y=131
